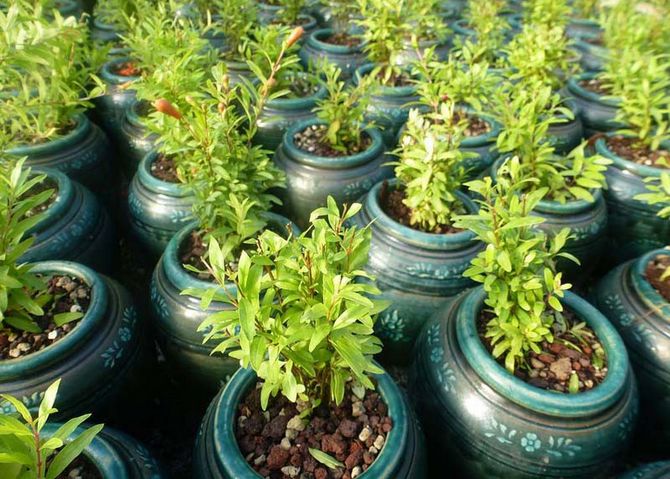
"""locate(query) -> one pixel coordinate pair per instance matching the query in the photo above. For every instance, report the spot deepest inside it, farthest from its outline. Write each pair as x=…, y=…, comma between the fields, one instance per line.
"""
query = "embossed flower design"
x=530, y=442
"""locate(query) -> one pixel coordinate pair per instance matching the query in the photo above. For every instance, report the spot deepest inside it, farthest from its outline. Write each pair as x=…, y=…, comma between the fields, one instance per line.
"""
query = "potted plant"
x=424, y=27
x=584, y=19
x=43, y=110
x=307, y=303
x=59, y=319
x=573, y=181
x=639, y=151
x=484, y=29
x=35, y=447
x=635, y=298
x=520, y=378
x=290, y=13
x=110, y=21
x=416, y=253
x=231, y=181
x=334, y=155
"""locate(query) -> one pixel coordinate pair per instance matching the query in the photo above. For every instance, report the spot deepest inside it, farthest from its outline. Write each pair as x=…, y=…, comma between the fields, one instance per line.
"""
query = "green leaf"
x=71, y=451
x=325, y=459
x=63, y=318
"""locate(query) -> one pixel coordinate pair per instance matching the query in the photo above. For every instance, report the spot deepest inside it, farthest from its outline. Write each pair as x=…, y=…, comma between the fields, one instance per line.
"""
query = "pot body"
x=104, y=33
x=84, y=154
x=316, y=50
x=110, y=109
x=176, y=318
x=135, y=140
x=76, y=227
x=156, y=209
x=95, y=360
x=415, y=271
x=489, y=424
x=654, y=470
x=634, y=227
x=642, y=317
x=217, y=455
x=595, y=111
x=583, y=27
x=310, y=179
x=389, y=106
x=566, y=136
x=592, y=55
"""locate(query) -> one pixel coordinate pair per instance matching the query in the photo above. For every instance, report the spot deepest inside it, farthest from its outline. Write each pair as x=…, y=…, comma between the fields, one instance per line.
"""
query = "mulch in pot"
x=553, y=367
x=653, y=272
x=595, y=85
x=342, y=39
x=276, y=442
x=164, y=169
x=127, y=69
x=70, y=294
x=391, y=202
x=313, y=140
x=631, y=149
x=80, y=468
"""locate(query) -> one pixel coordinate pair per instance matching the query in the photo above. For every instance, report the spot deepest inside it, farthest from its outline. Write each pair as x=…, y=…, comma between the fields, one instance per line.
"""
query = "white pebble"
x=355, y=472
x=365, y=434
x=285, y=444
x=52, y=334
x=259, y=460
x=290, y=471
x=296, y=423
x=379, y=442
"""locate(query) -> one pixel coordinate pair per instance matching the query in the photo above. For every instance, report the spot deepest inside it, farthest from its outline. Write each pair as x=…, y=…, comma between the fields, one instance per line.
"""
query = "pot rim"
x=107, y=72
x=576, y=89
x=407, y=235
x=385, y=465
x=302, y=103
x=582, y=404
x=647, y=293
x=132, y=115
x=297, y=155
x=62, y=202
x=391, y=91
x=25, y=366
x=176, y=190
x=314, y=41
x=623, y=164
x=82, y=127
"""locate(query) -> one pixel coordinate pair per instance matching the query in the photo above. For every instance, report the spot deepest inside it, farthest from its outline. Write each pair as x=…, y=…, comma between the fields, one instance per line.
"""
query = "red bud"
x=168, y=108
x=294, y=36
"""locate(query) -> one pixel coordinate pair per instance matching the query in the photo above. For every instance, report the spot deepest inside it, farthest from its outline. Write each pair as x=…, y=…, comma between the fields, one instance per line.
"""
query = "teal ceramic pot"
x=642, y=317
x=588, y=224
x=237, y=70
x=583, y=27
x=95, y=360
x=83, y=154
x=107, y=35
x=268, y=14
x=279, y=114
x=316, y=50
x=654, y=470
x=135, y=140
x=76, y=227
x=389, y=106
x=485, y=423
x=110, y=109
x=566, y=136
x=70, y=8
x=217, y=455
x=596, y=111
x=416, y=272
x=310, y=179
x=176, y=317
x=157, y=209
x=116, y=455
x=634, y=227
x=592, y=55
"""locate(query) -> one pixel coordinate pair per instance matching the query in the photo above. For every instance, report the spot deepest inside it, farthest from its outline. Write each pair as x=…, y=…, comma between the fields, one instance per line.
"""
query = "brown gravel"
x=655, y=269
x=276, y=442
x=164, y=169
x=313, y=140
x=632, y=150
x=594, y=85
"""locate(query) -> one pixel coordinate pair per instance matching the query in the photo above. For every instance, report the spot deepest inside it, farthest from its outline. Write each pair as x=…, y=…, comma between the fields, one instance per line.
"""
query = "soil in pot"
x=298, y=86
x=47, y=184
x=276, y=442
x=127, y=69
x=391, y=201
x=475, y=125
x=655, y=269
x=342, y=39
x=594, y=85
x=313, y=140
x=165, y=169
x=396, y=80
x=575, y=351
x=69, y=294
x=80, y=468
x=192, y=252
x=631, y=149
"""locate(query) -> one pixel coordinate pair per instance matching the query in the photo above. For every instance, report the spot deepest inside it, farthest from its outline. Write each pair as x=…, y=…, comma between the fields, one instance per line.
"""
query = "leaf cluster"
x=549, y=13
x=658, y=193
x=118, y=13
x=26, y=453
x=304, y=310
x=485, y=18
x=235, y=19
x=517, y=267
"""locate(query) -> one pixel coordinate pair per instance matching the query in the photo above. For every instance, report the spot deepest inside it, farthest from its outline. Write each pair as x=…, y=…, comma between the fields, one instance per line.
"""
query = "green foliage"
x=25, y=453
x=485, y=19
x=549, y=13
x=22, y=293
x=118, y=13
x=587, y=9
x=303, y=317
x=424, y=22
x=46, y=67
x=235, y=19
x=290, y=11
x=658, y=193
x=517, y=267
x=430, y=169
x=628, y=25
x=384, y=28
x=343, y=109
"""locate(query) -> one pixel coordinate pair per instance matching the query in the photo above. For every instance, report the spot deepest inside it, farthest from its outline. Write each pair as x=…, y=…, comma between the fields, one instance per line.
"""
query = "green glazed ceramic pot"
x=176, y=317
x=70, y=8
x=135, y=139
x=596, y=111
x=654, y=470
x=116, y=455
x=485, y=423
x=316, y=50
x=389, y=106
x=105, y=34
x=642, y=317
x=84, y=154
x=592, y=55
x=217, y=455
x=566, y=136
x=416, y=272
x=311, y=178
x=157, y=209
x=279, y=114
x=583, y=27
x=75, y=227
x=268, y=13
x=95, y=360
x=634, y=227
x=110, y=109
